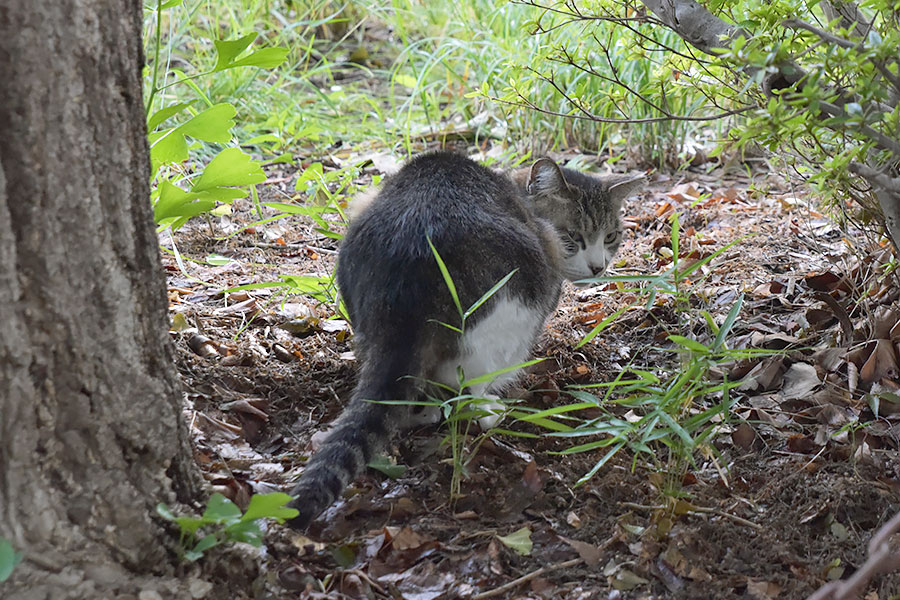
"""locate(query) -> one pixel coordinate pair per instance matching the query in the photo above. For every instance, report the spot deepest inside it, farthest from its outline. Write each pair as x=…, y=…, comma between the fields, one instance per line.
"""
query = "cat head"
x=584, y=209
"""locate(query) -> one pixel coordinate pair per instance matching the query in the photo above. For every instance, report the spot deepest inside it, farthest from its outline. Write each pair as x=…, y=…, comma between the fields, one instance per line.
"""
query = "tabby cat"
x=545, y=222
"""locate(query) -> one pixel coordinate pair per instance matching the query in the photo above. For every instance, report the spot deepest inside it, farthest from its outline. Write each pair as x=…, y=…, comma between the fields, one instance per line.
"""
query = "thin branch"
x=589, y=116
x=509, y=586
x=882, y=140
x=828, y=37
x=525, y=103
x=874, y=176
x=843, y=43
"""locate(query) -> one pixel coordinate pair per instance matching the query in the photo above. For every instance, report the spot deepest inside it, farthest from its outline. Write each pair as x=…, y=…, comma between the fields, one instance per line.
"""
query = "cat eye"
x=578, y=239
x=611, y=237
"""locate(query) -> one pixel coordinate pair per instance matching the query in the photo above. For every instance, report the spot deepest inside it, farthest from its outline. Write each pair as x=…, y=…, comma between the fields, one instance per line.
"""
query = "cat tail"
x=364, y=429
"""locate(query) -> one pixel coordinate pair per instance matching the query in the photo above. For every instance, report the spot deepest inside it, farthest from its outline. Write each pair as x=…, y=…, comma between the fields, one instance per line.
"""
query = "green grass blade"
x=448, y=280
x=488, y=377
x=606, y=457
x=557, y=410
x=602, y=325
x=724, y=330
x=489, y=293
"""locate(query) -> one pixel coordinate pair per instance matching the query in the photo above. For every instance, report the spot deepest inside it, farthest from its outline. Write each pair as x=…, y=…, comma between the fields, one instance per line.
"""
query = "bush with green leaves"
x=181, y=191
x=815, y=82
x=222, y=521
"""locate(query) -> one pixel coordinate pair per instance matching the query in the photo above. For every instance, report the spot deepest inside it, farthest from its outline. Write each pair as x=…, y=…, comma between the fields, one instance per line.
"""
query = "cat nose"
x=597, y=270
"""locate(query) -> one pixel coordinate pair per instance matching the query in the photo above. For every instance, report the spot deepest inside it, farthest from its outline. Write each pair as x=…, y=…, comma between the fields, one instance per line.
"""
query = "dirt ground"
x=783, y=498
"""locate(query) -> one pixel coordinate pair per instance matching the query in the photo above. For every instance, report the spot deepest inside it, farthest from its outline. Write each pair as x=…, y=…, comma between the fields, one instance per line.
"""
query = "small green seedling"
x=222, y=521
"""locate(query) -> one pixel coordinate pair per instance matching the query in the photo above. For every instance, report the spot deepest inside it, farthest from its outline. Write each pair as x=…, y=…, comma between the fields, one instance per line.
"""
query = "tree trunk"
x=91, y=430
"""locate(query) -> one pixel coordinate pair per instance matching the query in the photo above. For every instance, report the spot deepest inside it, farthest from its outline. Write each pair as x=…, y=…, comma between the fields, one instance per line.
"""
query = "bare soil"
x=784, y=498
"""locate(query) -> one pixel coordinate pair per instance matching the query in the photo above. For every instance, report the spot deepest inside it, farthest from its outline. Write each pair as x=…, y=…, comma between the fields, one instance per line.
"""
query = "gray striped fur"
x=547, y=223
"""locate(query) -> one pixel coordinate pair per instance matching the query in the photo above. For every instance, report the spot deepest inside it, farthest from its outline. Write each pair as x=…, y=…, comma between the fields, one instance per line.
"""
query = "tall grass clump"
x=666, y=416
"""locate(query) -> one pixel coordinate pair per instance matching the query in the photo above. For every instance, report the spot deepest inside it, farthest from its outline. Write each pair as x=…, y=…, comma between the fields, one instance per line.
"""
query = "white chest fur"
x=500, y=339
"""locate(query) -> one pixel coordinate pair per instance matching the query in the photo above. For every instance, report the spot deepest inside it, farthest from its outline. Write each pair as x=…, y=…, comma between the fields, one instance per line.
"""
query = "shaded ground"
x=784, y=497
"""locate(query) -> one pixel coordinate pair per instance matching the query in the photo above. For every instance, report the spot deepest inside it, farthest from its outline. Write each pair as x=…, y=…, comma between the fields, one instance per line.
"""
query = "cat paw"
x=496, y=410
x=423, y=415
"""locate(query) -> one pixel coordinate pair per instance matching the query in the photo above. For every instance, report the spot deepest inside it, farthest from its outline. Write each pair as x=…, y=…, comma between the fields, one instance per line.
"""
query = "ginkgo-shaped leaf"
x=269, y=506
x=165, y=113
x=231, y=167
x=228, y=51
x=212, y=125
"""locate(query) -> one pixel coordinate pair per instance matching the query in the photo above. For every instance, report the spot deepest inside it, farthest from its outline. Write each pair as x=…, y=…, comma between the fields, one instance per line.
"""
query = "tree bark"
x=91, y=428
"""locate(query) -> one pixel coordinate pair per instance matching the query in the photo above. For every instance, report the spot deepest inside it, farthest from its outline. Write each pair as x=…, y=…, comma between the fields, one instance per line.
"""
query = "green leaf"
x=298, y=209
x=164, y=511
x=602, y=325
x=519, y=541
x=229, y=50
x=217, y=260
x=448, y=280
x=257, y=286
x=202, y=546
x=212, y=125
x=170, y=4
x=540, y=421
x=222, y=194
x=175, y=203
x=388, y=467
x=265, y=137
x=724, y=330
x=612, y=452
x=487, y=295
x=406, y=80
x=488, y=377
x=269, y=506
x=266, y=58
x=344, y=555
x=558, y=410
x=312, y=173
x=247, y=532
x=9, y=558
x=189, y=525
x=221, y=510
x=165, y=113
x=231, y=167
x=688, y=343
x=521, y=434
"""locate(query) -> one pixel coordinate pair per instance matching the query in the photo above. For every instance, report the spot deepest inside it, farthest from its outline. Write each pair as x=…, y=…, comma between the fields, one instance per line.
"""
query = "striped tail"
x=363, y=430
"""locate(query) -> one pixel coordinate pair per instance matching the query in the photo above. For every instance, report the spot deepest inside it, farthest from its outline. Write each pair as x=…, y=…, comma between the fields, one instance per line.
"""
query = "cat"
x=544, y=224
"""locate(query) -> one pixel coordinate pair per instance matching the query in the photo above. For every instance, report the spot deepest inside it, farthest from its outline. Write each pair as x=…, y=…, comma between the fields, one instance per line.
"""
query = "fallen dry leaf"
x=743, y=436
x=799, y=381
x=882, y=362
x=589, y=553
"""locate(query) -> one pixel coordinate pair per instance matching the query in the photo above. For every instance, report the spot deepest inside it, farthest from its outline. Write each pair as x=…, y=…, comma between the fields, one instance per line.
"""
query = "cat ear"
x=623, y=186
x=546, y=178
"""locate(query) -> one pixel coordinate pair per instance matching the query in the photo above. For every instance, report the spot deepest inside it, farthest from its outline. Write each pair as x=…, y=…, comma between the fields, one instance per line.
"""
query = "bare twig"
x=882, y=559
x=589, y=116
x=699, y=509
x=507, y=587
